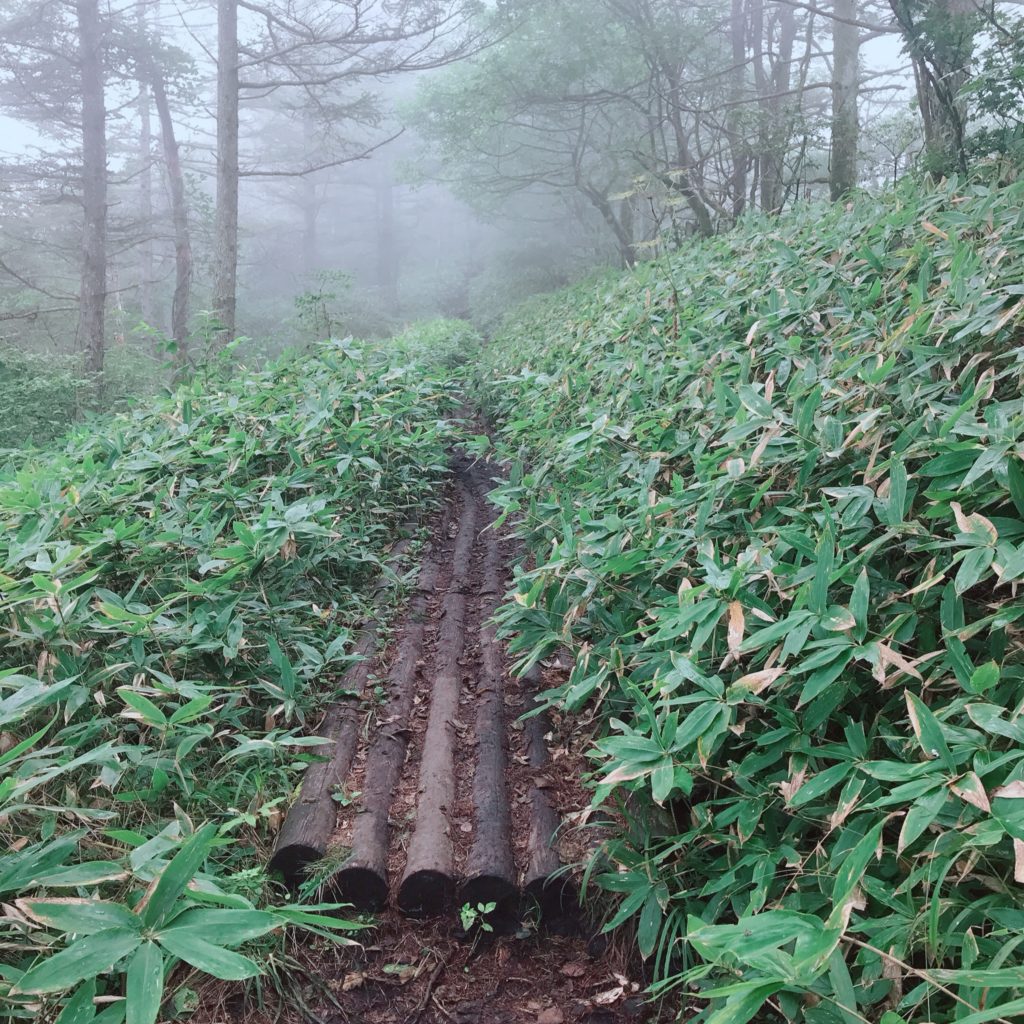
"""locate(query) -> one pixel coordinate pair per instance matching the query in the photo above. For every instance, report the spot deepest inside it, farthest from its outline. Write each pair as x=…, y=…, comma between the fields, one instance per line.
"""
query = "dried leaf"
x=1011, y=791
x=737, y=623
x=609, y=997
x=971, y=790
x=755, y=682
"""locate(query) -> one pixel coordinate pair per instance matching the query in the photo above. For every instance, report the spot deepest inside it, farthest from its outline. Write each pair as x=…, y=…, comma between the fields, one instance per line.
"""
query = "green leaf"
x=79, y=1008
x=818, y=785
x=80, y=916
x=860, y=603
x=984, y=678
x=144, y=707
x=87, y=957
x=851, y=870
x=222, y=927
x=1015, y=473
x=93, y=872
x=179, y=872
x=974, y=565
x=897, y=502
x=928, y=731
x=650, y=925
x=208, y=958
x=842, y=986
x=921, y=814
x=145, y=986
x=743, y=1007
x=1005, y=1011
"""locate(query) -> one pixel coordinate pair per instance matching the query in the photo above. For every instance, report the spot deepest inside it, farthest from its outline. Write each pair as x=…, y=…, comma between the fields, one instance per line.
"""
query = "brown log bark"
x=545, y=882
x=363, y=879
x=490, y=872
x=428, y=884
x=311, y=819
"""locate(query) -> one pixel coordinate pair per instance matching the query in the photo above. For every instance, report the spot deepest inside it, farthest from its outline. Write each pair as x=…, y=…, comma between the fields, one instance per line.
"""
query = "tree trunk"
x=845, y=121
x=225, y=243
x=147, y=304
x=93, y=298
x=179, y=213
x=604, y=207
x=774, y=83
x=940, y=38
x=737, y=90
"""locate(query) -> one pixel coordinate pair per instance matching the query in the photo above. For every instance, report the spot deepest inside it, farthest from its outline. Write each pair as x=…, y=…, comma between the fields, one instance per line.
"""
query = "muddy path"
x=452, y=813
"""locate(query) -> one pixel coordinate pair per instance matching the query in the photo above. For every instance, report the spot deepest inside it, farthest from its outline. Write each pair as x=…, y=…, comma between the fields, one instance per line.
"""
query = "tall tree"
x=225, y=231
x=93, y=298
x=939, y=36
x=313, y=49
x=845, y=84
x=147, y=259
x=179, y=216
x=739, y=149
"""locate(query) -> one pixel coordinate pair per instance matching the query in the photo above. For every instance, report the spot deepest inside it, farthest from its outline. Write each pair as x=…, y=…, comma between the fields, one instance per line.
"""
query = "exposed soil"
x=450, y=799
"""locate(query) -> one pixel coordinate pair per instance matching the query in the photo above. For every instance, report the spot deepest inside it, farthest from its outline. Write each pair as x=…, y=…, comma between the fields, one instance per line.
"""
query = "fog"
x=404, y=160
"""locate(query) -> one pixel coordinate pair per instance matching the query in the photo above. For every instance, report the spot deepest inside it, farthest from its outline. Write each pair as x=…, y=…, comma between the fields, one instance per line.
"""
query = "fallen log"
x=428, y=883
x=546, y=882
x=362, y=880
x=310, y=821
x=490, y=874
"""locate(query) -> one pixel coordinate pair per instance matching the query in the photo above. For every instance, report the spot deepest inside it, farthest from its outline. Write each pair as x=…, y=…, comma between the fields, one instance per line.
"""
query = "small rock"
x=467, y=1013
x=635, y=1008
x=552, y=1015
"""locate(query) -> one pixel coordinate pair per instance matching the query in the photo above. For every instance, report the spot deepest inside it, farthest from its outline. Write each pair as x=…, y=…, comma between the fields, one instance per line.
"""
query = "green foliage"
x=448, y=343
x=471, y=916
x=332, y=307
x=41, y=396
x=998, y=91
x=775, y=493
x=179, y=587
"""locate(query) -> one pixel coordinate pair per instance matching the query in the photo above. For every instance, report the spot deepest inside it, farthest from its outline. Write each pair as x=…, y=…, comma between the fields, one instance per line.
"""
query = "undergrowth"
x=42, y=395
x=179, y=588
x=774, y=489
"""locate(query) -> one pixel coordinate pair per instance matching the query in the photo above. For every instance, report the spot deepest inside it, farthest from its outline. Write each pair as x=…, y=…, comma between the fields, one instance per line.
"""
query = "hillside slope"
x=180, y=591
x=774, y=489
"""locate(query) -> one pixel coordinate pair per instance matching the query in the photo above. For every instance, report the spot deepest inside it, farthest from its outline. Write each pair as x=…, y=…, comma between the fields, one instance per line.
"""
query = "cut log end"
x=292, y=863
x=556, y=899
x=487, y=889
x=360, y=886
x=426, y=893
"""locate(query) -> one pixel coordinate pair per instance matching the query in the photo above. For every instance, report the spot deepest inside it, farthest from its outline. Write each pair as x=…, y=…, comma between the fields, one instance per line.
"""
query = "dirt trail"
x=451, y=801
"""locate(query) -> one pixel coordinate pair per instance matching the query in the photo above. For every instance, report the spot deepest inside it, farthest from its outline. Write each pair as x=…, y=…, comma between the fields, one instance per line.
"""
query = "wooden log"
x=545, y=881
x=311, y=819
x=428, y=883
x=490, y=873
x=363, y=879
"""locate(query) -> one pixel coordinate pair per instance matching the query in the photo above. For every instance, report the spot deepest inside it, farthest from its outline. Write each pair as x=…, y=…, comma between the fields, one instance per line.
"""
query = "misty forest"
x=512, y=511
